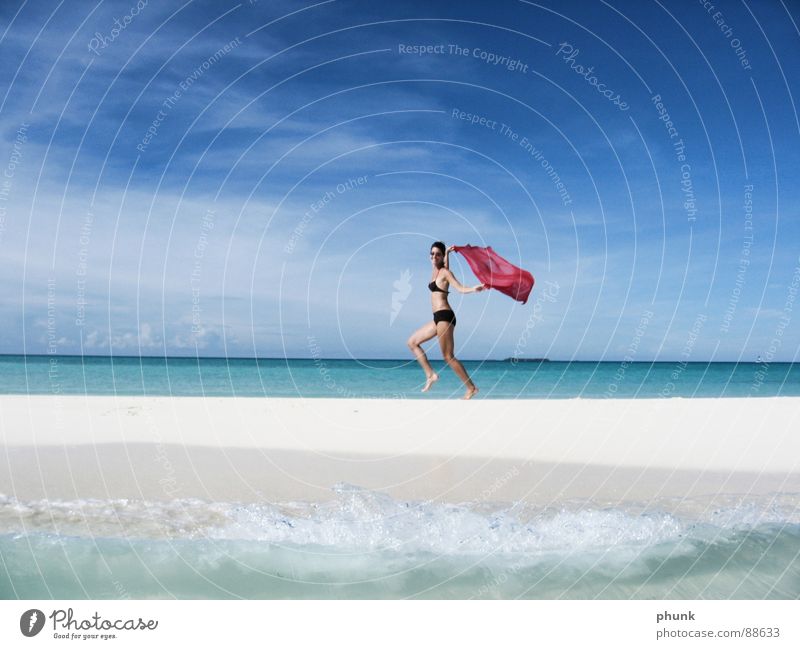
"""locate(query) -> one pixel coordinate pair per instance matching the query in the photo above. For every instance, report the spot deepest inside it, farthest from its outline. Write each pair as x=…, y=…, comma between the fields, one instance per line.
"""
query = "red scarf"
x=495, y=272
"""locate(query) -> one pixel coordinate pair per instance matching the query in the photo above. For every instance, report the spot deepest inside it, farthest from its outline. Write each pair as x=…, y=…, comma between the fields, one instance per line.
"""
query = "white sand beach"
x=280, y=450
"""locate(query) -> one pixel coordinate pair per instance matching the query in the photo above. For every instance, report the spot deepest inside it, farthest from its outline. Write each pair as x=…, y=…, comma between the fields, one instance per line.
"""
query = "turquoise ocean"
x=386, y=379
x=363, y=544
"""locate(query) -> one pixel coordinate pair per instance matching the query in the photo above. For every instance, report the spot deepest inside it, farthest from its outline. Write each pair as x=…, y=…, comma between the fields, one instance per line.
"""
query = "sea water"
x=366, y=545
x=362, y=544
x=401, y=379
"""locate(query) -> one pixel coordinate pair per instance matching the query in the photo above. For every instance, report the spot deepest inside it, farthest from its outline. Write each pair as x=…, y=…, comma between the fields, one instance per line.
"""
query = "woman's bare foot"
x=471, y=392
x=431, y=380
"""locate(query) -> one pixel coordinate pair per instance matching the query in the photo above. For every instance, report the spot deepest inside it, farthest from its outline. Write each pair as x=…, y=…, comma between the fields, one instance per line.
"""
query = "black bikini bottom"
x=445, y=315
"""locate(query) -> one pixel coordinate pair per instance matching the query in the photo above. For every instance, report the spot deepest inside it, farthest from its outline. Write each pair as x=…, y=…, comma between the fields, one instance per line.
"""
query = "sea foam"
x=358, y=520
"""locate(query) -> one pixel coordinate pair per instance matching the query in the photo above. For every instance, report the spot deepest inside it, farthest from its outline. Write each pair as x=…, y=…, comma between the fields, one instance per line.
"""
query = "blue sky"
x=240, y=179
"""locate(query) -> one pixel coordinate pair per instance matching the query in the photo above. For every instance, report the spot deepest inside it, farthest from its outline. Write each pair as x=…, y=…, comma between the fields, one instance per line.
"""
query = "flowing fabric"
x=495, y=272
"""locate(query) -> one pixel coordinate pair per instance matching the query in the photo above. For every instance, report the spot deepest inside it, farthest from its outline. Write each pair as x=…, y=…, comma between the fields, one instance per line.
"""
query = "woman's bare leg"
x=421, y=335
x=445, y=331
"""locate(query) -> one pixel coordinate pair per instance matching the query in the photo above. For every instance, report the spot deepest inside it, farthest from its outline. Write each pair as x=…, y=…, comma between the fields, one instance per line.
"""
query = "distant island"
x=514, y=359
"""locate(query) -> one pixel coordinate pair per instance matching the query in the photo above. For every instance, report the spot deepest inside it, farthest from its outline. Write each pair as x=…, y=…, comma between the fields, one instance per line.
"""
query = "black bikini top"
x=436, y=289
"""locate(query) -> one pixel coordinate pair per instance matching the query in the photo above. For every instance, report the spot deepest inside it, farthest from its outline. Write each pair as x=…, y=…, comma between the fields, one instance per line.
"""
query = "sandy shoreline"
x=278, y=450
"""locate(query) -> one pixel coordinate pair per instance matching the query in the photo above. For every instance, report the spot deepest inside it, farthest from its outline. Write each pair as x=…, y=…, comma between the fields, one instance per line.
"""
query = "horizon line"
x=311, y=358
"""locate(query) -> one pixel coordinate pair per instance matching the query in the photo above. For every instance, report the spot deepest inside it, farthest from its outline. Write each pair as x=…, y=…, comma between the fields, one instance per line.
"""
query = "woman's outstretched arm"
x=460, y=287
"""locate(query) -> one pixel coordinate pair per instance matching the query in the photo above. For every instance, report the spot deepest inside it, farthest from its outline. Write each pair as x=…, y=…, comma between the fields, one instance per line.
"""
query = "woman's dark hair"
x=439, y=245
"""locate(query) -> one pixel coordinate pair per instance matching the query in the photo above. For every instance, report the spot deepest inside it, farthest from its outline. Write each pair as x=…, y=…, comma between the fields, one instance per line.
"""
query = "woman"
x=444, y=321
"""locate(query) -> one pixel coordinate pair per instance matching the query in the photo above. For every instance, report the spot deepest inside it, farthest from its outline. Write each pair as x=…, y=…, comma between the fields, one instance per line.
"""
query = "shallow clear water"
x=366, y=545
x=399, y=379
